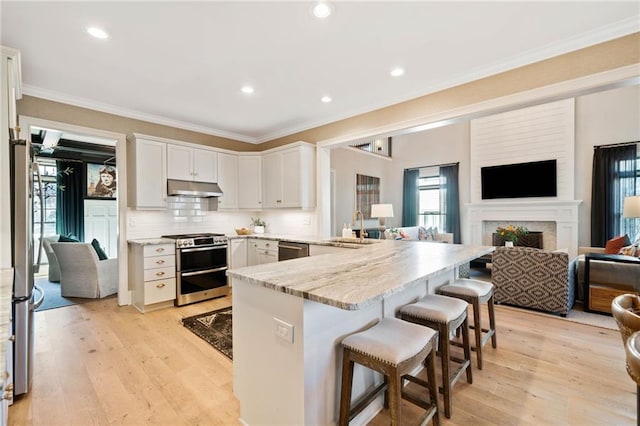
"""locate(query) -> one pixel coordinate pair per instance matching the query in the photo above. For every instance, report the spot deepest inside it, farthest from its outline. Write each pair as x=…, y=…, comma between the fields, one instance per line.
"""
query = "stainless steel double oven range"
x=201, y=266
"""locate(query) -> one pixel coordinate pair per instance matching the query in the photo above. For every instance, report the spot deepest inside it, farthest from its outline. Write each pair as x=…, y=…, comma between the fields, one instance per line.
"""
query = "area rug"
x=52, y=297
x=215, y=328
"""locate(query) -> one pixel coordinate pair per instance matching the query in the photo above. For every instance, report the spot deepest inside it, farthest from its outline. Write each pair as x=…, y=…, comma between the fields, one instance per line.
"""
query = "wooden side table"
x=607, y=291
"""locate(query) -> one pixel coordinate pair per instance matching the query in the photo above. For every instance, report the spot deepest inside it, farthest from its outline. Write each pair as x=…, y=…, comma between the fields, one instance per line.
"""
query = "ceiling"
x=183, y=63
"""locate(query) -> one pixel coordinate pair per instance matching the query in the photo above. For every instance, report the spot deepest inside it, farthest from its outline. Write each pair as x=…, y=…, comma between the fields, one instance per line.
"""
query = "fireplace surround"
x=564, y=214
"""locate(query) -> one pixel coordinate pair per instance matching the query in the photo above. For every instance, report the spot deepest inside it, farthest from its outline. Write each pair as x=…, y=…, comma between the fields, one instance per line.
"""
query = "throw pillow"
x=99, y=250
x=614, y=245
x=426, y=234
x=392, y=234
x=64, y=239
x=632, y=250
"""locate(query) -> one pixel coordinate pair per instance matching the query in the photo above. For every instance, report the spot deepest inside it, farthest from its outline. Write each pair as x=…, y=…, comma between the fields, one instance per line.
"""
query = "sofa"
x=418, y=233
x=622, y=275
x=533, y=278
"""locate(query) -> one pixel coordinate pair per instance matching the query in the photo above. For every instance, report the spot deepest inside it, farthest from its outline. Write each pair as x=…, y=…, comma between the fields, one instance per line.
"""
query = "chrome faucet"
x=354, y=217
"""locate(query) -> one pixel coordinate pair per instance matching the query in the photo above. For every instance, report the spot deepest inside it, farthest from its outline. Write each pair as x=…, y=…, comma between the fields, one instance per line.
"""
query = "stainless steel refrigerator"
x=26, y=296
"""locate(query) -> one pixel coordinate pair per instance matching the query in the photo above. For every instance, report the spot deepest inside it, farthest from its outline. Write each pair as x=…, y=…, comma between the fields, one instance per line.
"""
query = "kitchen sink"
x=354, y=240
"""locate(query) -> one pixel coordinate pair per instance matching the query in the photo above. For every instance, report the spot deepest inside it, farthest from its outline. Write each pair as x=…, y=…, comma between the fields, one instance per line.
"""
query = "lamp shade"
x=631, y=207
x=381, y=210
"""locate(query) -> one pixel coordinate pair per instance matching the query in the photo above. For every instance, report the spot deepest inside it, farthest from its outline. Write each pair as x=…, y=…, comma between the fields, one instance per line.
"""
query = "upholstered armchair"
x=54, y=268
x=533, y=278
x=82, y=274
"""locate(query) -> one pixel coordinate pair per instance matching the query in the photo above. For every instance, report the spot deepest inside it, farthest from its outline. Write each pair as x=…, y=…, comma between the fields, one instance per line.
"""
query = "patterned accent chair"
x=533, y=278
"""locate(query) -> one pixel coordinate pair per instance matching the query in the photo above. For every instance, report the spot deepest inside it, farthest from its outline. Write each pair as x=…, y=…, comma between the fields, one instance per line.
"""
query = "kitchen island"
x=290, y=317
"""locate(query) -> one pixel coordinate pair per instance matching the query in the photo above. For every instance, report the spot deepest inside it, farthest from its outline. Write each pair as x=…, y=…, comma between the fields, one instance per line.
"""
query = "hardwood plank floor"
x=99, y=364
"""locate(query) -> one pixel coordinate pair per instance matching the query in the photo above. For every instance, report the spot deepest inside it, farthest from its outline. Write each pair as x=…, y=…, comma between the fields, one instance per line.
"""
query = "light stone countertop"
x=308, y=239
x=353, y=279
x=6, y=292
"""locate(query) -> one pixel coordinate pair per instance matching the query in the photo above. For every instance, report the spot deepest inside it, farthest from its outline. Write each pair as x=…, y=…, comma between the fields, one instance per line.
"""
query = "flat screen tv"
x=521, y=180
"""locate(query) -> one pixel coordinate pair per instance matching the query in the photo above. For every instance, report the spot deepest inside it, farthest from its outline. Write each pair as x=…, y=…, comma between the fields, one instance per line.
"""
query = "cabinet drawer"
x=159, y=291
x=159, y=273
x=265, y=244
x=159, y=262
x=600, y=297
x=159, y=250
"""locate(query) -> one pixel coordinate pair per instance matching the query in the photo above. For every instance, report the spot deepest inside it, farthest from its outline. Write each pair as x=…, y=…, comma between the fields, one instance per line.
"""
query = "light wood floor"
x=98, y=364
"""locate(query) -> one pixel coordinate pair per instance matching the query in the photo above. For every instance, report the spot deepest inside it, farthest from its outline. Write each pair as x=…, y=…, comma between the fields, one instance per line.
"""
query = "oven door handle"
x=190, y=250
x=190, y=274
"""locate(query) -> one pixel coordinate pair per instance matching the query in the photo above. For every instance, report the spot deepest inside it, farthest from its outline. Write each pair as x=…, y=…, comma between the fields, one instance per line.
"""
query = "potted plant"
x=258, y=225
x=510, y=233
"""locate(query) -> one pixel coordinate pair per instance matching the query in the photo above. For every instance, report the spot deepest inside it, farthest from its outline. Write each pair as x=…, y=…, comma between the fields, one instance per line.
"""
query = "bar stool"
x=475, y=292
x=447, y=315
x=394, y=348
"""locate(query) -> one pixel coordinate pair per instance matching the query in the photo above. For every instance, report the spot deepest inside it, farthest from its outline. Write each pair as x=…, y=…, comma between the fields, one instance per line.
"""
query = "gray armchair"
x=82, y=274
x=54, y=268
x=533, y=278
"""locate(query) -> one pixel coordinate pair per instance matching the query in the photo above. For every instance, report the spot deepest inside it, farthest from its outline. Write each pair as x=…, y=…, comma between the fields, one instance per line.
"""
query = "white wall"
x=348, y=162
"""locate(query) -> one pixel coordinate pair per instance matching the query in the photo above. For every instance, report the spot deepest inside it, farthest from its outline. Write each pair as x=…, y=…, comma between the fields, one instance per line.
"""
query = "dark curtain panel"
x=614, y=169
x=450, y=200
x=70, y=200
x=410, y=198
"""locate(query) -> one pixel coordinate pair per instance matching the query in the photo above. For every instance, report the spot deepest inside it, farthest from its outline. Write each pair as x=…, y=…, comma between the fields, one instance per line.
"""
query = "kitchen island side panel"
x=278, y=382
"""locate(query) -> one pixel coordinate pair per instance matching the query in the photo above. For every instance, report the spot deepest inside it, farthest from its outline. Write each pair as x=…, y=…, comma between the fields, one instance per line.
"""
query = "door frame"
x=26, y=122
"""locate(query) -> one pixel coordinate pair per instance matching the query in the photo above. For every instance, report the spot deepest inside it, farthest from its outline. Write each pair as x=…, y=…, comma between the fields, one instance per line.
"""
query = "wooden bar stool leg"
x=395, y=398
x=492, y=322
x=347, y=383
x=430, y=365
x=445, y=357
x=477, y=328
x=467, y=347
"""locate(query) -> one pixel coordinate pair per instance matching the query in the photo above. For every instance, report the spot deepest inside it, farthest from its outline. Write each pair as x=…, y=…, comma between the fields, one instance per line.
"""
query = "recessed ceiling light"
x=397, y=72
x=97, y=32
x=326, y=99
x=322, y=9
x=247, y=89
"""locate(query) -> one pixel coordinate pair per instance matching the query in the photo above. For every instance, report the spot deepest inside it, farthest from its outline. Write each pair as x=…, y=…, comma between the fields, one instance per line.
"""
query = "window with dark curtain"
x=410, y=197
x=70, y=200
x=614, y=178
x=450, y=200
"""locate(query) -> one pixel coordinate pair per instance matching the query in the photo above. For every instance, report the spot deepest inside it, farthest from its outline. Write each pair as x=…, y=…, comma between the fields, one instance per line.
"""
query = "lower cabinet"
x=152, y=271
x=261, y=251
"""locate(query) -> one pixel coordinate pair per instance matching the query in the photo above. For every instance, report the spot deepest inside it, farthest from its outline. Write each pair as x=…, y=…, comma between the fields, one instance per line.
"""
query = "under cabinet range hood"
x=193, y=189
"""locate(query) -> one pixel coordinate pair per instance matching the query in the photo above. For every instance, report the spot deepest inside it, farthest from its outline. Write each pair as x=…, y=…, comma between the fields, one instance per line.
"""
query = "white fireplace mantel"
x=563, y=212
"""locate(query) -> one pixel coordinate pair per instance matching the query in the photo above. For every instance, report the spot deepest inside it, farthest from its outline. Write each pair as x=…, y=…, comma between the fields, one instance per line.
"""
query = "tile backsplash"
x=153, y=224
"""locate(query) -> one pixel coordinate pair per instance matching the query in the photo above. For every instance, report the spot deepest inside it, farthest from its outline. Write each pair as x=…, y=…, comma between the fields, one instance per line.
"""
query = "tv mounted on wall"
x=521, y=180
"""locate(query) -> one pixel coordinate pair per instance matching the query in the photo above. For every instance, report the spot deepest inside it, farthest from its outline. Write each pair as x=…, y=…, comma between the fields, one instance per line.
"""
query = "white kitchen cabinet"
x=261, y=251
x=187, y=163
x=249, y=182
x=147, y=173
x=237, y=253
x=228, y=180
x=288, y=177
x=152, y=271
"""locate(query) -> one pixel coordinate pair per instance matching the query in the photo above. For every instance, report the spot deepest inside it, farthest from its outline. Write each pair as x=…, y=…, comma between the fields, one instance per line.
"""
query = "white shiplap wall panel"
x=542, y=132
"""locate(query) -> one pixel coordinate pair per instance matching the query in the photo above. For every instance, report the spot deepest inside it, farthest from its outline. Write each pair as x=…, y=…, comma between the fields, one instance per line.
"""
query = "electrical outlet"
x=283, y=330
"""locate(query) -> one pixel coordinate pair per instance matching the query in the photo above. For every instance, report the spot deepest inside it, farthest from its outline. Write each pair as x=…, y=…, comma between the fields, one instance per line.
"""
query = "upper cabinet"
x=186, y=163
x=146, y=159
x=288, y=177
x=228, y=180
x=249, y=182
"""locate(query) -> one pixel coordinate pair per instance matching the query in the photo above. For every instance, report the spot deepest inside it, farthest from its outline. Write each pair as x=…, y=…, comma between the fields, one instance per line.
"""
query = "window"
x=629, y=226
x=429, y=210
x=44, y=208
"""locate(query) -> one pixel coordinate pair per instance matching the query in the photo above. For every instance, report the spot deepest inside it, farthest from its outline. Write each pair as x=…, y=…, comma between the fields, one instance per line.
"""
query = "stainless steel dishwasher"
x=288, y=250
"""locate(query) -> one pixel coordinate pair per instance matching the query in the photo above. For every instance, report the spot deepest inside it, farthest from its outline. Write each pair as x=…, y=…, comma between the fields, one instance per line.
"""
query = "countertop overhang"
x=353, y=279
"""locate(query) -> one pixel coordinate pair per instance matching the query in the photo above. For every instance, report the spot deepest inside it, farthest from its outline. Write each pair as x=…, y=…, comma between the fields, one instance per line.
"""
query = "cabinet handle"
x=160, y=285
x=160, y=249
x=278, y=201
x=160, y=273
x=160, y=262
x=267, y=244
x=12, y=338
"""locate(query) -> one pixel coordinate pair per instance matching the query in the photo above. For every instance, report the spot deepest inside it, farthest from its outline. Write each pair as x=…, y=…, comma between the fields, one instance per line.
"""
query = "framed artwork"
x=367, y=193
x=101, y=181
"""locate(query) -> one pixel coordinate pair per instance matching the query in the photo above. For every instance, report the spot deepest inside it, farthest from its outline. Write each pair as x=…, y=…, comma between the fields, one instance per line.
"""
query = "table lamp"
x=631, y=210
x=381, y=211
